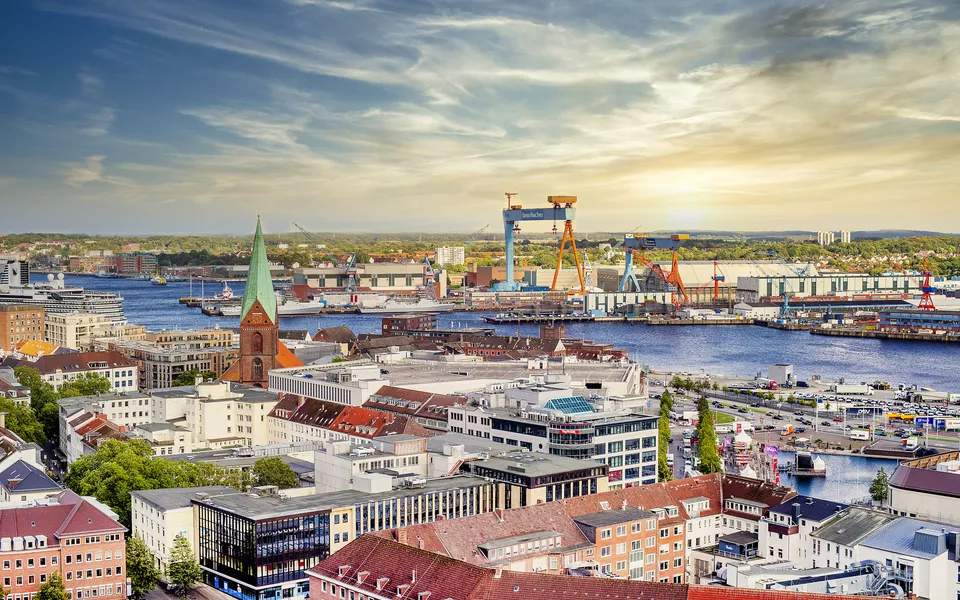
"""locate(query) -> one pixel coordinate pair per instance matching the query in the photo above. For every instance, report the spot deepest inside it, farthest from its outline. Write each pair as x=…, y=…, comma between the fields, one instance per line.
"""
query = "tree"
x=88, y=384
x=707, y=439
x=879, y=489
x=23, y=421
x=183, y=570
x=190, y=377
x=663, y=434
x=52, y=588
x=141, y=568
x=273, y=471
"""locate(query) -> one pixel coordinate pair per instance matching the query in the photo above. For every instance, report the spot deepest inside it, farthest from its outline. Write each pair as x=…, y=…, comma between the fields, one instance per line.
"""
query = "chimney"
x=499, y=571
x=420, y=543
x=795, y=512
x=402, y=535
x=413, y=578
x=198, y=379
x=300, y=401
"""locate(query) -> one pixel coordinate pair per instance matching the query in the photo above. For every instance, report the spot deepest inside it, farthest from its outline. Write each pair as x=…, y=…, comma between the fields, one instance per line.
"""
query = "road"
x=199, y=592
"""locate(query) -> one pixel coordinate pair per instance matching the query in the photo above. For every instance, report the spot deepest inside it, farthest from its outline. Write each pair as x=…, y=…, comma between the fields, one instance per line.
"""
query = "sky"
x=194, y=116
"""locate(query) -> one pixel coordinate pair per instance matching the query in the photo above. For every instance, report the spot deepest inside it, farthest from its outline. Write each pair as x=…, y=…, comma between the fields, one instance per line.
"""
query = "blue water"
x=848, y=477
x=731, y=350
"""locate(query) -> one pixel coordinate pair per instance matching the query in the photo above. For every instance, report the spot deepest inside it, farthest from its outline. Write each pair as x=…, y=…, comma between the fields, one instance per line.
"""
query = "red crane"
x=926, y=301
x=715, y=280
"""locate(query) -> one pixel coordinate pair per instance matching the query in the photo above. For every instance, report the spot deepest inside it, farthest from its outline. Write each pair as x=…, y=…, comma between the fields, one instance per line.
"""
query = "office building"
x=133, y=263
x=450, y=255
x=20, y=323
x=399, y=279
x=159, y=367
x=344, y=465
x=916, y=320
x=926, y=488
x=14, y=272
x=352, y=383
x=66, y=534
x=860, y=286
x=159, y=516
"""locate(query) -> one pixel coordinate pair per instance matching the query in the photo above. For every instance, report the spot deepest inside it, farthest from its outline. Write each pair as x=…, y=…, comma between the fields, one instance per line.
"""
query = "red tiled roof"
x=755, y=490
x=459, y=538
x=648, y=497
x=73, y=515
x=352, y=420
x=414, y=403
x=80, y=361
x=369, y=559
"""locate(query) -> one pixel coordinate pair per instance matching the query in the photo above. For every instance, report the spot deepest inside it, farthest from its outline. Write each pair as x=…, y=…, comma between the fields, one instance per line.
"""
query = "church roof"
x=259, y=282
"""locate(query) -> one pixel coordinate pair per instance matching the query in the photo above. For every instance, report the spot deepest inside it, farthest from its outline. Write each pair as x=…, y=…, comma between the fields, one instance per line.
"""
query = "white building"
x=928, y=488
x=762, y=312
x=780, y=372
x=59, y=369
x=166, y=439
x=844, y=237
x=753, y=289
x=835, y=544
x=159, y=516
x=222, y=415
x=825, y=238
x=785, y=530
x=79, y=330
x=351, y=384
x=550, y=418
x=342, y=465
x=450, y=255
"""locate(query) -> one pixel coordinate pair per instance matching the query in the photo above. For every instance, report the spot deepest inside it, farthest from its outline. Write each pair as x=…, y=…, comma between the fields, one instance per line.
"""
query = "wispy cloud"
x=100, y=122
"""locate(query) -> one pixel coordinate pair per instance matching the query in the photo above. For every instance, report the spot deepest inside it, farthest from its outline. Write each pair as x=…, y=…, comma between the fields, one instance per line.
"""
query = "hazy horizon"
x=367, y=116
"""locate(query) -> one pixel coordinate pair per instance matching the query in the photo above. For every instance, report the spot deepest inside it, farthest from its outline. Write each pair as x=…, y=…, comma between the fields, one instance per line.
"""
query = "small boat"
x=101, y=274
x=226, y=293
x=158, y=279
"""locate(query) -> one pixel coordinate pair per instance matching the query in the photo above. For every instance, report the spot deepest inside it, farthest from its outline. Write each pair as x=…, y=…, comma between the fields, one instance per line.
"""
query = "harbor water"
x=848, y=477
x=742, y=350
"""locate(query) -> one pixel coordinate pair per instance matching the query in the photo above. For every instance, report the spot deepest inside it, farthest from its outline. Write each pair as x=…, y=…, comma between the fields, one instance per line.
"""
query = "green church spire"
x=259, y=282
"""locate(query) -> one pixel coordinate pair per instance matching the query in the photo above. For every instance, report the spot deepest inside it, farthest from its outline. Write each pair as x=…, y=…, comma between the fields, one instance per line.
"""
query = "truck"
x=859, y=434
x=852, y=388
x=911, y=443
x=787, y=430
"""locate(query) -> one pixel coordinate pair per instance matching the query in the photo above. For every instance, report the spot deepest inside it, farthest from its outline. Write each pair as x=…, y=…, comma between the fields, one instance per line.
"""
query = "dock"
x=945, y=337
x=198, y=302
x=789, y=326
x=539, y=318
x=670, y=321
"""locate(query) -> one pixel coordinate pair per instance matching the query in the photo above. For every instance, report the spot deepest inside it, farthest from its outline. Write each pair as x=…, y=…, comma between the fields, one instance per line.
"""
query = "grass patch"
x=762, y=411
x=722, y=418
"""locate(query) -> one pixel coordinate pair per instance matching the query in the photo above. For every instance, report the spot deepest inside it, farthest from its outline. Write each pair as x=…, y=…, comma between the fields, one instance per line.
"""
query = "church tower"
x=259, y=343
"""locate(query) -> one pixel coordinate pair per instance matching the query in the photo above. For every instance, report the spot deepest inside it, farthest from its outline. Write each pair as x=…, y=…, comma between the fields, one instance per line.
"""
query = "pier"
x=946, y=337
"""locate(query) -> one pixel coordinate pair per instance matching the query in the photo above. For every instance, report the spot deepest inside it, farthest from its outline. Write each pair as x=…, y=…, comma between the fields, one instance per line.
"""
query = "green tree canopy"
x=878, y=488
x=190, y=377
x=273, y=471
x=183, y=569
x=710, y=461
x=141, y=568
x=52, y=588
x=88, y=384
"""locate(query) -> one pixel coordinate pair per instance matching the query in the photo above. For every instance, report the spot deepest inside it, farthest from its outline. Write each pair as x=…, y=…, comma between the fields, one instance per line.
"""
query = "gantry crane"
x=635, y=244
x=561, y=210
x=714, y=280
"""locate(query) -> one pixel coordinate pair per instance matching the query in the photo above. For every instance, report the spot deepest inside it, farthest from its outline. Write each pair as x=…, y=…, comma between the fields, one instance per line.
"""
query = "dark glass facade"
x=251, y=559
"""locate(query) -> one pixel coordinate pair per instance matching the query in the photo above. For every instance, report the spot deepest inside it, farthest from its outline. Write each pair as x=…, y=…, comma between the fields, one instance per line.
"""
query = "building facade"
x=450, y=255
x=20, y=323
x=68, y=535
x=59, y=369
x=79, y=331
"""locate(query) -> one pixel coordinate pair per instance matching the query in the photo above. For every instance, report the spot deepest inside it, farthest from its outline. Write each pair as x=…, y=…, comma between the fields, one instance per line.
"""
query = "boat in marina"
x=158, y=279
x=55, y=296
x=806, y=465
x=285, y=308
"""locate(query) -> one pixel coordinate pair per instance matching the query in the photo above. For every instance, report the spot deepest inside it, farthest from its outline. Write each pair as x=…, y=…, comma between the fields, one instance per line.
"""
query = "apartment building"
x=785, y=529
x=351, y=384
x=160, y=365
x=66, y=534
x=20, y=323
x=59, y=369
x=23, y=482
x=159, y=516
x=450, y=255
x=79, y=331
x=222, y=414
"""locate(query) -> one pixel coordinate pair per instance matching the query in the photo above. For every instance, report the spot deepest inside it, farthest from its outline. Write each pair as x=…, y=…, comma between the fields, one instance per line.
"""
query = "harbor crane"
x=561, y=209
x=715, y=280
x=635, y=244
x=476, y=234
x=925, y=283
x=349, y=266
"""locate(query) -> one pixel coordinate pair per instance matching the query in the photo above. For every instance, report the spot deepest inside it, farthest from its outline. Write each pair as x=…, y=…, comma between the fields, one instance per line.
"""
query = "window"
x=621, y=530
x=605, y=551
x=664, y=532
x=664, y=565
x=622, y=548
x=257, y=374
x=678, y=562
x=605, y=534
x=650, y=542
x=621, y=565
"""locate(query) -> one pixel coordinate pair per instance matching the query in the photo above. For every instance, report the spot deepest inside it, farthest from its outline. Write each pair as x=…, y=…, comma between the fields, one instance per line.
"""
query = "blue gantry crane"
x=635, y=244
x=561, y=209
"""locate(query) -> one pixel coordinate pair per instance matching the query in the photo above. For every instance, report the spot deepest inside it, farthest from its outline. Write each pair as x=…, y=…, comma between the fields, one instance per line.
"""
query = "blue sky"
x=143, y=116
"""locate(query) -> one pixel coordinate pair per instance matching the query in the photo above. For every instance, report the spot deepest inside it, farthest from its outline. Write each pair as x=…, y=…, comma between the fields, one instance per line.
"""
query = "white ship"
x=285, y=308
x=406, y=306
x=54, y=295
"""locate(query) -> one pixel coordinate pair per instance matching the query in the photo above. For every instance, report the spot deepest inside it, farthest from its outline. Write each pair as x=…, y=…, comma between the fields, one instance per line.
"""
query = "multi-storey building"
x=296, y=419
x=835, y=544
x=59, y=369
x=220, y=414
x=395, y=278
x=132, y=263
x=79, y=331
x=69, y=535
x=351, y=384
x=858, y=285
x=23, y=482
x=20, y=323
x=159, y=516
x=546, y=419
x=785, y=529
x=160, y=366
x=427, y=408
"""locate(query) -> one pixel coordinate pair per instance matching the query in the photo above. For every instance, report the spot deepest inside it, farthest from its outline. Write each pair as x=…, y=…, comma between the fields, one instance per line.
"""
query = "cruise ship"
x=54, y=295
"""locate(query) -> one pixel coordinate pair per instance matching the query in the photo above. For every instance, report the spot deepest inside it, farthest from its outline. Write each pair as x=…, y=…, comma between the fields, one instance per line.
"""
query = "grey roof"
x=853, y=525
x=535, y=464
x=472, y=444
x=256, y=507
x=519, y=539
x=169, y=499
x=740, y=537
x=607, y=518
x=228, y=459
x=22, y=477
x=898, y=537
x=811, y=508
x=153, y=427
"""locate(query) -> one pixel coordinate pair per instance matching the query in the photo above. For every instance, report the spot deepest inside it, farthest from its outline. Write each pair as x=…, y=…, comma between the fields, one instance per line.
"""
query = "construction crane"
x=310, y=236
x=714, y=280
x=476, y=234
x=561, y=210
x=587, y=271
x=429, y=279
